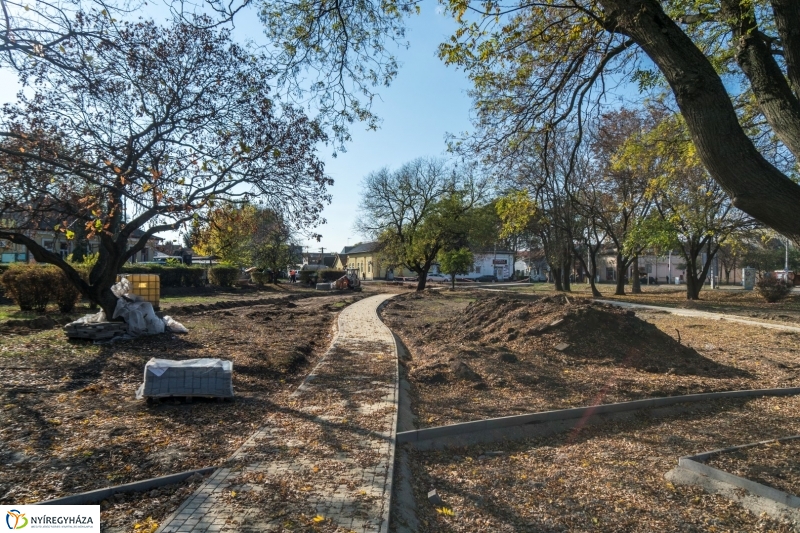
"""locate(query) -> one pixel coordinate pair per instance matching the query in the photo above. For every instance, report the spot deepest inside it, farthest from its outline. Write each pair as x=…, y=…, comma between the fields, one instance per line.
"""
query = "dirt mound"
x=183, y=310
x=573, y=328
x=22, y=327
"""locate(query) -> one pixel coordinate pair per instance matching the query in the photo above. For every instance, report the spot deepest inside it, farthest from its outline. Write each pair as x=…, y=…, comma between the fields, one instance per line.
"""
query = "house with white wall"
x=499, y=263
x=660, y=268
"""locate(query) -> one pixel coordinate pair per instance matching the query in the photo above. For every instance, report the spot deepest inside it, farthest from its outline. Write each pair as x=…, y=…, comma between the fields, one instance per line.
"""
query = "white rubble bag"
x=139, y=316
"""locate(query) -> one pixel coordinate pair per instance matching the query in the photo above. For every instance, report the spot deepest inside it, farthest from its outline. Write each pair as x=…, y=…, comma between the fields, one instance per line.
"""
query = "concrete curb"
x=389, y=486
x=695, y=463
x=482, y=426
x=701, y=314
x=95, y=496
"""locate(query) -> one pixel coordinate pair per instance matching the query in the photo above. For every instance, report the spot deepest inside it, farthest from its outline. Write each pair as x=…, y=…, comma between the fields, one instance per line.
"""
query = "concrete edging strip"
x=695, y=464
x=431, y=434
x=98, y=495
x=389, y=487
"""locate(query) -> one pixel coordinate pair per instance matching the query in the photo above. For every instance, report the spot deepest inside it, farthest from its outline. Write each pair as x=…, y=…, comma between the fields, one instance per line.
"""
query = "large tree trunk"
x=636, y=286
x=591, y=275
x=620, y=276
x=770, y=87
x=693, y=284
x=787, y=15
x=565, y=272
x=693, y=288
x=754, y=184
x=556, y=273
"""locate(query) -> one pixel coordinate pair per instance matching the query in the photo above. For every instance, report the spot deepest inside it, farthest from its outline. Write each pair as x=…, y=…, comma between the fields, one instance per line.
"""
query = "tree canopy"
x=419, y=210
x=142, y=129
x=538, y=66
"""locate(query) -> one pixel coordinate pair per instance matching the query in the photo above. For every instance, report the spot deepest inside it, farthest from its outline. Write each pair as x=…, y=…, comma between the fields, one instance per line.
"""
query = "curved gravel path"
x=325, y=461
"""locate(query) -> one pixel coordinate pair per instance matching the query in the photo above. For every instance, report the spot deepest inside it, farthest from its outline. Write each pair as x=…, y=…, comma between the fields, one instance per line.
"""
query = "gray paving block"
x=192, y=377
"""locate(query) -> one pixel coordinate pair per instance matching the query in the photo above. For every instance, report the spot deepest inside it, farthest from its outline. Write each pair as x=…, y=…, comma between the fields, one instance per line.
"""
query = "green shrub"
x=223, y=276
x=303, y=276
x=11, y=288
x=773, y=289
x=260, y=278
x=3, y=268
x=33, y=287
x=170, y=275
x=329, y=274
x=30, y=286
x=65, y=294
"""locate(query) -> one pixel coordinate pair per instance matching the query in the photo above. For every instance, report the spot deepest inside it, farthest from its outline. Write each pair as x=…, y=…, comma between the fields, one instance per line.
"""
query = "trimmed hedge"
x=261, y=278
x=773, y=289
x=3, y=268
x=170, y=276
x=303, y=276
x=319, y=276
x=33, y=287
x=224, y=276
x=329, y=274
x=65, y=294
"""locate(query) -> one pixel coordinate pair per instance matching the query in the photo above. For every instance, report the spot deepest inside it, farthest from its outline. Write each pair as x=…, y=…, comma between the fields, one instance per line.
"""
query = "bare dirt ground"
x=606, y=478
x=480, y=355
x=70, y=422
x=775, y=465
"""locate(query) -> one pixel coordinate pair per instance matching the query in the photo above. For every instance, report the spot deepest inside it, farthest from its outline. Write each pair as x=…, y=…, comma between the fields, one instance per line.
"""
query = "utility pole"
x=669, y=268
x=786, y=262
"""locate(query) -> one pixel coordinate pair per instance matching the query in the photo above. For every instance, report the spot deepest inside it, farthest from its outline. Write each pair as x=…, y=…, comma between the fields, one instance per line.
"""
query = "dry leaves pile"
x=70, y=422
x=476, y=355
x=776, y=464
x=608, y=477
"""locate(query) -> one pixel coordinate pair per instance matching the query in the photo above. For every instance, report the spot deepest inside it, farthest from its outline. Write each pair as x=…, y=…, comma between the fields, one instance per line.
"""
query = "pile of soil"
x=574, y=331
x=473, y=356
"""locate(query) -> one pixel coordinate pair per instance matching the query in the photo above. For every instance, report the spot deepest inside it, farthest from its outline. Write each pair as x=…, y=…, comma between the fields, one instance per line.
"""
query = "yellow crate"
x=148, y=286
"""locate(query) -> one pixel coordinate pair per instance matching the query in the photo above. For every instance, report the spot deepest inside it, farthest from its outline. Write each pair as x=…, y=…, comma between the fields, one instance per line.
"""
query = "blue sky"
x=426, y=101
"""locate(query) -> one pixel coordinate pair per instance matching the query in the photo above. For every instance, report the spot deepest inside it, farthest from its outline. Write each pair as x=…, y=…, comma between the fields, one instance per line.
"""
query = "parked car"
x=538, y=277
x=470, y=280
x=486, y=277
x=438, y=278
x=643, y=280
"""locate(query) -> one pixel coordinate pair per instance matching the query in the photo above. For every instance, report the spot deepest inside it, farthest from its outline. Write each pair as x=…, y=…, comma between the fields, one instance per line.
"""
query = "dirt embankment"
x=499, y=355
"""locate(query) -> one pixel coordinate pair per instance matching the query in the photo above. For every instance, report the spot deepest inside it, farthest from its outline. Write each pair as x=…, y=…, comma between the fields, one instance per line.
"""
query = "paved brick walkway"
x=324, y=462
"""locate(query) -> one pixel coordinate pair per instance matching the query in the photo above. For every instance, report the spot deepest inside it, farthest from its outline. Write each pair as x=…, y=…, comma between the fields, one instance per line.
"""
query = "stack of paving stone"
x=95, y=330
x=205, y=378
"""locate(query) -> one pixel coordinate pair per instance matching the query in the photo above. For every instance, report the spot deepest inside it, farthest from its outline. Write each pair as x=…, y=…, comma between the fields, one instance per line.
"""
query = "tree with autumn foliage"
x=731, y=66
x=692, y=213
x=140, y=128
x=419, y=210
x=227, y=233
